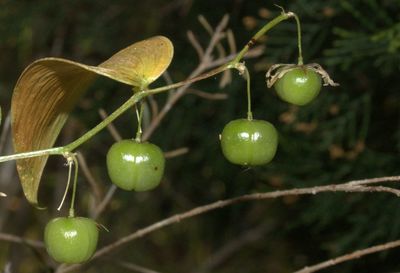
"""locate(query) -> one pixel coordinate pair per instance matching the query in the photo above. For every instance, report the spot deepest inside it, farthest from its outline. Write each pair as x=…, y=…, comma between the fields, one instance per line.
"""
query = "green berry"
x=71, y=240
x=249, y=142
x=299, y=85
x=134, y=165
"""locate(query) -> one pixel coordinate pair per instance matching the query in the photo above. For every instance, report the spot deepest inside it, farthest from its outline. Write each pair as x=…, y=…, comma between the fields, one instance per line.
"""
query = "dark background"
x=349, y=132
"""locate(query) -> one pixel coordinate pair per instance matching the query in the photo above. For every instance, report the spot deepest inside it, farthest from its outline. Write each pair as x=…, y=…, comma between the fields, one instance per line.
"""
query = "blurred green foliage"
x=349, y=132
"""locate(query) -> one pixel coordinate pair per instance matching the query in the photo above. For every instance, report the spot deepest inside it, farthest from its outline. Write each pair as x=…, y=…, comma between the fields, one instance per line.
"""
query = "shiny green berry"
x=71, y=240
x=299, y=85
x=135, y=165
x=249, y=142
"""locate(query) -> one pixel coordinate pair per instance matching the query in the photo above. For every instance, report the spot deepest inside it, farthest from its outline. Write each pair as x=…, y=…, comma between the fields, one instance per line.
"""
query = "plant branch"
x=352, y=186
x=206, y=63
x=19, y=240
x=103, y=204
x=194, y=77
x=228, y=250
x=261, y=32
x=208, y=96
x=134, y=267
x=110, y=127
x=97, y=192
x=351, y=256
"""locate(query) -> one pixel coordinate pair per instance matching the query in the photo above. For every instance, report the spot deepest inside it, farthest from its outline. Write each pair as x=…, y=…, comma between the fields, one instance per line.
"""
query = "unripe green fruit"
x=71, y=240
x=134, y=165
x=299, y=85
x=249, y=142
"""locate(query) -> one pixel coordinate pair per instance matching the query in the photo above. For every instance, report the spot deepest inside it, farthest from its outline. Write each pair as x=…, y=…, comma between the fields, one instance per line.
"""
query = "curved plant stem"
x=124, y=107
x=144, y=93
x=262, y=31
x=300, y=59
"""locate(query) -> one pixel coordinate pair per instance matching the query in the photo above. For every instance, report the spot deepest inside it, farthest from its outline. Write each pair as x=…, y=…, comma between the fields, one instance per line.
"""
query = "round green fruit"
x=249, y=142
x=71, y=240
x=134, y=165
x=299, y=85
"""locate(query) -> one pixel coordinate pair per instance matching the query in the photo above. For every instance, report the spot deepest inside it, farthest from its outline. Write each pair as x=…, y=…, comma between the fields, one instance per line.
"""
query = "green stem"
x=71, y=209
x=139, y=114
x=206, y=75
x=300, y=59
x=50, y=151
x=140, y=95
x=262, y=31
x=128, y=104
x=249, y=112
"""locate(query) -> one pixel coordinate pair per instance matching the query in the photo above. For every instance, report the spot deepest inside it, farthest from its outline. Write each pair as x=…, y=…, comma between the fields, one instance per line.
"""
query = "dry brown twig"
x=134, y=267
x=365, y=185
x=195, y=44
x=205, y=64
x=240, y=241
x=207, y=95
x=110, y=127
x=19, y=240
x=350, y=256
x=94, y=184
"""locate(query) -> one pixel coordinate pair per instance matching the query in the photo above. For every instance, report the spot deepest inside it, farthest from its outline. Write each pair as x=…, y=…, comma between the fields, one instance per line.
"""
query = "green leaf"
x=49, y=88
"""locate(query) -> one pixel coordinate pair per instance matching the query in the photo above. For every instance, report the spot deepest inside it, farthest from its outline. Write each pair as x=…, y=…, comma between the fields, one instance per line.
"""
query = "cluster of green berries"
x=251, y=142
x=139, y=166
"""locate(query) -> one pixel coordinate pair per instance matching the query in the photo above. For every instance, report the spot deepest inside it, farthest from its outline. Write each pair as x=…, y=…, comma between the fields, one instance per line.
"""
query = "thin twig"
x=110, y=193
x=352, y=186
x=94, y=184
x=203, y=66
x=196, y=45
x=134, y=267
x=111, y=128
x=217, y=34
x=351, y=256
x=252, y=53
x=231, y=41
x=103, y=204
x=208, y=96
x=153, y=105
x=19, y=240
x=225, y=252
x=176, y=152
x=209, y=29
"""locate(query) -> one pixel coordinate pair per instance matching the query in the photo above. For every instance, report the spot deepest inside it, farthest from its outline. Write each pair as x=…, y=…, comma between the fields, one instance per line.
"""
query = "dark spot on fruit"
x=155, y=168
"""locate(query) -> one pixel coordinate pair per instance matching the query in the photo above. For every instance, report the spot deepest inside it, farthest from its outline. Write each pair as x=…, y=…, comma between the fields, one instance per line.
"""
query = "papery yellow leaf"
x=49, y=88
x=140, y=64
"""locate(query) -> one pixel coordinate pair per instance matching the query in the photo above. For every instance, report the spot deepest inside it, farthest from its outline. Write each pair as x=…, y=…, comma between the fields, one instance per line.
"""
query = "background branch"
x=352, y=186
x=351, y=256
x=19, y=240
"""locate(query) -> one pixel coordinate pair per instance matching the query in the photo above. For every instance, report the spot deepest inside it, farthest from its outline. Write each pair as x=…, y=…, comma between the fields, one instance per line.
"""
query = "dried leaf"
x=140, y=64
x=49, y=88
